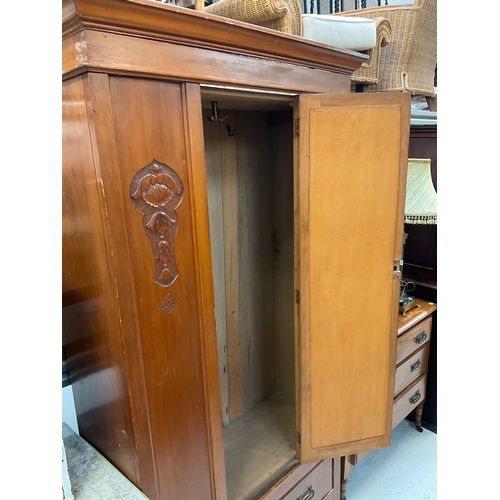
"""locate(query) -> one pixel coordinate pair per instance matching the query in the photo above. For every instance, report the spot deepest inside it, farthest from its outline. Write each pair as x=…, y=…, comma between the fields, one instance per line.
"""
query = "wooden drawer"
x=408, y=401
x=319, y=480
x=411, y=369
x=414, y=338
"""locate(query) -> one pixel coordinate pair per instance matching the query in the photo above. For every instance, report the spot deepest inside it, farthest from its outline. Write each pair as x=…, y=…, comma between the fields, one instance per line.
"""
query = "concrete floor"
x=404, y=471
x=92, y=477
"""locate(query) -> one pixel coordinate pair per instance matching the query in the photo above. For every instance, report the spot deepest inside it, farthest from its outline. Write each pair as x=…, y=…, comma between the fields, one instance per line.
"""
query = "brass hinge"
x=296, y=128
x=298, y=437
x=297, y=296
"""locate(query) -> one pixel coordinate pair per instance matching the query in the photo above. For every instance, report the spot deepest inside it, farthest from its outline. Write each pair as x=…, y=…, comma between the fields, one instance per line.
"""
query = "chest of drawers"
x=414, y=333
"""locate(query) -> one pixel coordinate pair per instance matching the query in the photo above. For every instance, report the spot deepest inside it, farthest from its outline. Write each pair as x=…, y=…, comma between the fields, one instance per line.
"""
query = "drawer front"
x=408, y=401
x=317, y=484
x=414, y=338
x=411, y=369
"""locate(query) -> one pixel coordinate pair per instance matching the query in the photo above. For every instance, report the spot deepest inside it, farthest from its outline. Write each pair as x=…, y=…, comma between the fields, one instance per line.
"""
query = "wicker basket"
x=409, y=61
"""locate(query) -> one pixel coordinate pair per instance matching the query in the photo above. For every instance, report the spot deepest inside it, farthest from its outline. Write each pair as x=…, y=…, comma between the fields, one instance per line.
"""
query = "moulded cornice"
x=152, y=20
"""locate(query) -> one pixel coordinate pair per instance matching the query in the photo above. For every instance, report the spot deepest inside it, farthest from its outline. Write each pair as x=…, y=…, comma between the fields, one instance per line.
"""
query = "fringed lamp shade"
x=421, y=198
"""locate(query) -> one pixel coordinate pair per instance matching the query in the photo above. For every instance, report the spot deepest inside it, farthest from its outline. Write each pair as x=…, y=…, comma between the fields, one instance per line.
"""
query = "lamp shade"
x=421, y=197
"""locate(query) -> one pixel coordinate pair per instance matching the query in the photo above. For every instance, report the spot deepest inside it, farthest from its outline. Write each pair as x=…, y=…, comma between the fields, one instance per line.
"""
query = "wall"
x=68, y=408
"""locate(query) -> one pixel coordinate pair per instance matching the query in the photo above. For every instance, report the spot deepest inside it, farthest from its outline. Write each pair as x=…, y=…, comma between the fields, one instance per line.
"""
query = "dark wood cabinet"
x=420, y=250
x=420, y=263
x=226, y=281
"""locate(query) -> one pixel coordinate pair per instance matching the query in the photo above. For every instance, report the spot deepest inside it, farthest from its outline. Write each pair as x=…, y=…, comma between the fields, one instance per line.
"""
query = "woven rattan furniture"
x=280, y=15
x=409, y=61
x=368, y=73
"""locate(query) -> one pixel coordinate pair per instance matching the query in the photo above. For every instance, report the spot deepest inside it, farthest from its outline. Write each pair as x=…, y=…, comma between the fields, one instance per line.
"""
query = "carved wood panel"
x=156, y=191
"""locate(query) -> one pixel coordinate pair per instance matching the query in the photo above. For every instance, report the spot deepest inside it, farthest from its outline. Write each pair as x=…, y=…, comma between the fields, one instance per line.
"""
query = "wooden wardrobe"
x=232, y=233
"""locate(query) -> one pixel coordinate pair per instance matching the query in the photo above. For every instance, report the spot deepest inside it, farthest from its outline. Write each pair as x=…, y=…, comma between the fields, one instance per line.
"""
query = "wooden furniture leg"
x=418, y=417
x=346, y=470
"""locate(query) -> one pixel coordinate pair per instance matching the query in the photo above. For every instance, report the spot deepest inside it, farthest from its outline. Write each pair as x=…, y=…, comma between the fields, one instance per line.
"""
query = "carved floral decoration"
x=156, y=191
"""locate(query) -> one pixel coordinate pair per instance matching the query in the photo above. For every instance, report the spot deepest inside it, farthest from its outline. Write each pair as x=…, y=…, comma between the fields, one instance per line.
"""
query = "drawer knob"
x=420, y=337
x=415, y=397
x=307, y=495
x=415, y=365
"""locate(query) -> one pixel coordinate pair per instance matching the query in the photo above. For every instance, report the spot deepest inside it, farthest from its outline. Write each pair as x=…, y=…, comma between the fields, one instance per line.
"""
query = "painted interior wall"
x=68, y=408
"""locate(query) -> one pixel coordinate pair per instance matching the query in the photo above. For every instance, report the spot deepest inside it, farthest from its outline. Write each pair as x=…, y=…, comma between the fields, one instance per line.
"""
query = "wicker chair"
x=408, y=62
x=280, y=15
x=368, y=73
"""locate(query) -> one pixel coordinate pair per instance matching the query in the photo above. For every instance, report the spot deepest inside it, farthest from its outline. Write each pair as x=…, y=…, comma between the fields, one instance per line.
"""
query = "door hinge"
x=296, y=127
x=297, y=296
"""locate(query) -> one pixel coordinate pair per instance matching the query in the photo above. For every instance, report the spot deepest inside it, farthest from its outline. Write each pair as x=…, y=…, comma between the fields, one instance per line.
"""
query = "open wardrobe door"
x=350, y=176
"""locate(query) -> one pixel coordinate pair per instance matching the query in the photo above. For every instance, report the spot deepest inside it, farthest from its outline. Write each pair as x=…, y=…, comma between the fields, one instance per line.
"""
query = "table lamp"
x=420, y=208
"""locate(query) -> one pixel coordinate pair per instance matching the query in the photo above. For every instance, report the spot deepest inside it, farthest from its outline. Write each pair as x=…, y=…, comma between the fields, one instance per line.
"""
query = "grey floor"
x=404, y=471
x=92, y=477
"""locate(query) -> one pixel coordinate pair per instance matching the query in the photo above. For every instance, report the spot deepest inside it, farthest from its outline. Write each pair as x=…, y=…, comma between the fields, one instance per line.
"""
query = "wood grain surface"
x=143, y=19
x=350, y=237
x=92, y=330
x=170, y=405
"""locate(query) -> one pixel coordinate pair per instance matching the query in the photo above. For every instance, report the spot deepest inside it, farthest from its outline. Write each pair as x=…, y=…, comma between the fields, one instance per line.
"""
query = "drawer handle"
x=415, y=365
x=415, y=397
x=307, y=495
x=420, y=337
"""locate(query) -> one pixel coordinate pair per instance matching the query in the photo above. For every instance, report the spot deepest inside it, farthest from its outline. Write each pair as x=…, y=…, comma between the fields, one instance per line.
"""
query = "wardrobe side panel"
x=212, y=130
x=92, y=330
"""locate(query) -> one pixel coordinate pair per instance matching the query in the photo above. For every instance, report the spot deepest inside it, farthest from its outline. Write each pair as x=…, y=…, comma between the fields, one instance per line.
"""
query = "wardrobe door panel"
x=351, y=177
x=160, y=151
